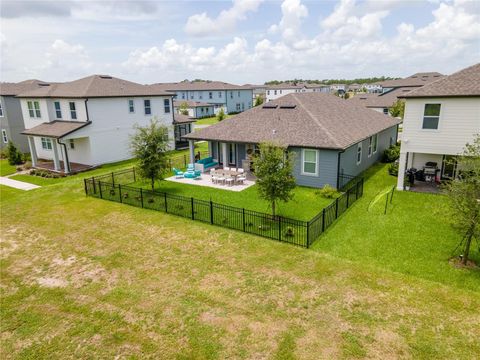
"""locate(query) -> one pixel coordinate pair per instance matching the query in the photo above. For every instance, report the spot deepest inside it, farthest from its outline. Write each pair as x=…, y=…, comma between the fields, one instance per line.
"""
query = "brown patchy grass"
x=85, y=278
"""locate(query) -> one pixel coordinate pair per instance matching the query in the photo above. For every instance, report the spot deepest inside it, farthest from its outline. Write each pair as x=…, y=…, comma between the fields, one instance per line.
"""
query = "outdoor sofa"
x=205, y=164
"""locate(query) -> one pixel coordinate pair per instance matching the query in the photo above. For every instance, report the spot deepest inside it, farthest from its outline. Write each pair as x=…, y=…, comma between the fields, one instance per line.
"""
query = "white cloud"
x=203, y=25
x=70, y=59
x=293, y=14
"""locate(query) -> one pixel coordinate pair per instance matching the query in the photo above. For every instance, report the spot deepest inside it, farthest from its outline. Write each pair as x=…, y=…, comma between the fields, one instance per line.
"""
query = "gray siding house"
x=11, y=118
x=329, y=136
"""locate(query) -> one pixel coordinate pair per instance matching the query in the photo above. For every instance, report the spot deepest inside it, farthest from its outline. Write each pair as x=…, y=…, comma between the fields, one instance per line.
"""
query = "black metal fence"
x=114, y=187
x=181, y=161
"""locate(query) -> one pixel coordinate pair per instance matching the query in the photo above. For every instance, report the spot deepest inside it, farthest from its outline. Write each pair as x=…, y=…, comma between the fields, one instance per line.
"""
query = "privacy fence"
x=117, y=186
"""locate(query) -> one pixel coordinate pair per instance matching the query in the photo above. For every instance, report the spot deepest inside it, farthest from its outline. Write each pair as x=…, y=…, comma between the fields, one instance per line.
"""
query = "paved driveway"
x=17, y=184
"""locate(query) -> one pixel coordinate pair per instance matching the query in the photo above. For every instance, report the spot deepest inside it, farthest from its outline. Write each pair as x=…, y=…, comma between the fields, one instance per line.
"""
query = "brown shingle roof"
x=465, y=82
x=94, y=86
x=55, y=129
x=12, y=89
x=182, y=119
x=418, y=79
x=197, y=85
x=384, y=100
x=316, y=120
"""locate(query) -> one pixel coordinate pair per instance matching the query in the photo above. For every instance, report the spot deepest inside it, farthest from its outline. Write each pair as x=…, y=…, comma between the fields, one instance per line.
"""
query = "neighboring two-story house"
x=11, y=117
x=195, y=109
x=440, y=118
x=88, y=122
x=275, y=91
x=229, y=97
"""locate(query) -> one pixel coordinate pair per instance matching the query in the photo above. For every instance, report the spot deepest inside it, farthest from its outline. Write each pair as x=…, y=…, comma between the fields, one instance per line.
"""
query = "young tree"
x=397, y=109
x=13, y=154
x=258, y=100
x=464, y=194
x=273, y=169
x=149, y=145
x=184, y=108
x=221, y=115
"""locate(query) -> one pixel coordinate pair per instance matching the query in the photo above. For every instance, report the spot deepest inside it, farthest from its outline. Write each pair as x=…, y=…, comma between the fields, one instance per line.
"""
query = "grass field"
x=210, y=120
x=87, y=278
x=6, y=168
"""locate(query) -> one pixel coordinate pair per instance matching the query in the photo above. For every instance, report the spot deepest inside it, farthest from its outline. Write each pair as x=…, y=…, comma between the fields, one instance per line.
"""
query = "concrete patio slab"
x=17, y=184
x=206, y=180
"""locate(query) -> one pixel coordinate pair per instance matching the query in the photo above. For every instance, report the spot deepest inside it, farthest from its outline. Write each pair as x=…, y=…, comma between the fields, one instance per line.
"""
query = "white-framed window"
x=375, y=143
x=238, y=107
x=46, y=144
x=239, y=94
x=431, y=116
x=166, y=106
x=4, y=136
x=73, y=110
x=370, y=144
x=385, y=111
x=310, y=162
x=359, y=153
x=34, y=109
x=280, y=91
x=183, y=95
x=131, y=106
x=219, y=94
x=200, y=96
x=147, y=107
x=268, y=92
x=231, y=94
x=1, y=110
x=58, y=109
x=210, y=95
x=72, y=144
x=274, y=92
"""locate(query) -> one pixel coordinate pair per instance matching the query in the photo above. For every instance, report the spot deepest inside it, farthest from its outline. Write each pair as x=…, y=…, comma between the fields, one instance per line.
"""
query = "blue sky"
x=240, y=41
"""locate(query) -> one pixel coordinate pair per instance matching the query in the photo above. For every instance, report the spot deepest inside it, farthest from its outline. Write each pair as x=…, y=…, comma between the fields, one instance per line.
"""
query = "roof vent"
x=274, y=131
x=43, y=84
x=288, y=106
x=105, y=77
x=363, y=98
x=269, y=106
x=414, y=76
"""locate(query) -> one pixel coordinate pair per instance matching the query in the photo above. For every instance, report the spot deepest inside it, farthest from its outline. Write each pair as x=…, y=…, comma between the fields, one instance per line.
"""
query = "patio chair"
x=241, y=171
x=241, y=179
x=178, y=174
x=229, y=181
x=220, y=179
x=226, y=168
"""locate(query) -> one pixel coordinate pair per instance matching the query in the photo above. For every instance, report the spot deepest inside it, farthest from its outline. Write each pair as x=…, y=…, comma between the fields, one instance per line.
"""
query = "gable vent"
x=269, y=106
x=105, y=77
x=43, y=84
x=288, y=106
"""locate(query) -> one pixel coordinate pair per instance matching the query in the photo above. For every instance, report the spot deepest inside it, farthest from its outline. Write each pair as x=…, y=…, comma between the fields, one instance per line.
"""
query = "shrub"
x=393, y=169
x=327, y=192
x=221, y=115
x=15, y=157
x=391, y=154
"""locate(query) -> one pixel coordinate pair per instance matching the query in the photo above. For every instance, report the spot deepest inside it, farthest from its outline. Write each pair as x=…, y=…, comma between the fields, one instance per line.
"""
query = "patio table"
x=231, y=173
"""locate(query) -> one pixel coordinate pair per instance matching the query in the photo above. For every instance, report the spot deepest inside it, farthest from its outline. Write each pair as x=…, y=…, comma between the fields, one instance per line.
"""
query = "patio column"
x=191, y=147
x=224, y=154
x=56, y=160
x=402, y=164
x=33, y=150
x=66, y=164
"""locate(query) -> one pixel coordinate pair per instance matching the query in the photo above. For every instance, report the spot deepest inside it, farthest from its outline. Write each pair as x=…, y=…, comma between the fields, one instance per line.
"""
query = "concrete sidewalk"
x=17, y=184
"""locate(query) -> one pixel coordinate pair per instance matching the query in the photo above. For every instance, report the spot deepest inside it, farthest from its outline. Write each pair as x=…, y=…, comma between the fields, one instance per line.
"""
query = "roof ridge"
x=87, y=88
x=295, y=96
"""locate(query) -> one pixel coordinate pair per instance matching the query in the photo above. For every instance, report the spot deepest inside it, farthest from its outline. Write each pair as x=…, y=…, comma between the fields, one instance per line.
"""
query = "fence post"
x=211, y=212
x=113, y=180
x=279, y=228
x=323, y=220
x=94, y=187
x=185, y=160
x=356, y=190
x=391, y=197
x=141, y=196
x=85, y=185
x=100, y=188
x=308, y=234
x=193, y=212
x=386, y=204
x=165, y=197
x=243, y=219
x=348, y=198
x=120, y=192
x=336, y=208
x=134, y=177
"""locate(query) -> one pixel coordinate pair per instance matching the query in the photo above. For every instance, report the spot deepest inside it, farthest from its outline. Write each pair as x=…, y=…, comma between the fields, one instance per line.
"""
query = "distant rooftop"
x=13, y=89
x=196, y=85
x=418, y=79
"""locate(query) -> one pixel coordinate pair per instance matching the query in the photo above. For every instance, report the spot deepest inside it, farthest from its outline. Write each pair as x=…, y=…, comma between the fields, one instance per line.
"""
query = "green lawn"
x=6, y=168
x=413, y=238
x=87, y=278
x=305, y=205
x=210, y=120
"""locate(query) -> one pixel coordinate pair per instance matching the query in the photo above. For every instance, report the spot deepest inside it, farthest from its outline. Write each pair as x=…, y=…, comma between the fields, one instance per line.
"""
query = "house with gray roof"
x=11, y=117
x=440, y=119
x=330, y=137
x=195, y=109
x=78, y=124
x=221, y=95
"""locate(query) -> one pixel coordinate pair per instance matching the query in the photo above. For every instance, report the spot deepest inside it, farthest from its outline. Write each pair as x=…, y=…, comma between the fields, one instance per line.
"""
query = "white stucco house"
x=440, y=118
x=274, y=92
x=87, y=122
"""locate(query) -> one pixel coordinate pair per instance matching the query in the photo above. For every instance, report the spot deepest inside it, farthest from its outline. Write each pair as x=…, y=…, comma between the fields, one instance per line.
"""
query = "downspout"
x=338, y=167
x=66, y=162
x=86, y=109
